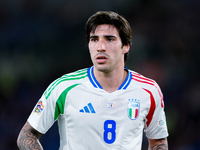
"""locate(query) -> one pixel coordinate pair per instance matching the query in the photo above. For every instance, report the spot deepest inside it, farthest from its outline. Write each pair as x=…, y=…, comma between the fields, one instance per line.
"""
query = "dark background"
x=40, y=40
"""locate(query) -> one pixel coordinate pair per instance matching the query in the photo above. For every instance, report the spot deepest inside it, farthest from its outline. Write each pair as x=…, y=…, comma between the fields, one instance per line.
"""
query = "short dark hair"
x=111, y=18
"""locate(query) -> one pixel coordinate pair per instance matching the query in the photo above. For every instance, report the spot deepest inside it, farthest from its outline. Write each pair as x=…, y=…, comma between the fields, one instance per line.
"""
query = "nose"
x=101, y=46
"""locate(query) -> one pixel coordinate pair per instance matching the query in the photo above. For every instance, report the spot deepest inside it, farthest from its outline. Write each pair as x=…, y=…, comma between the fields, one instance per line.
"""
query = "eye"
x=93, y=39
x=110, y=39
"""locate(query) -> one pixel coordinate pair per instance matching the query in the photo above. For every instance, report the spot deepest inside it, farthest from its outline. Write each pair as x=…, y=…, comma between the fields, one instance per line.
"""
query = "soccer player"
x=104, y=107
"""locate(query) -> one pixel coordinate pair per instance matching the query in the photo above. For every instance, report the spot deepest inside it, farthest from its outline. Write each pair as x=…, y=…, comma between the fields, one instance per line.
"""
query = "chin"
x=102, y=68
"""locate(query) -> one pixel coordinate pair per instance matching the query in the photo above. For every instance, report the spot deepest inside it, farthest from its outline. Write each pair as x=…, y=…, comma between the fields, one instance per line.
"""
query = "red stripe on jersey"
x=143, y=78
x=137, y=74
x=152, y=108
x=139, y=78
x=136, y=113
x=142, y=81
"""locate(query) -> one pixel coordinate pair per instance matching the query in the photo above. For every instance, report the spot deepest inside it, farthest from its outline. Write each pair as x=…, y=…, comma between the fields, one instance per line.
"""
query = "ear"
x=126, y=48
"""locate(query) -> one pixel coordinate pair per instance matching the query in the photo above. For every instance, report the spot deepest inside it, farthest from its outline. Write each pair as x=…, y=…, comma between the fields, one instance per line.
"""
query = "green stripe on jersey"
x=60, y=103
x=130, y=112
x=80, y=74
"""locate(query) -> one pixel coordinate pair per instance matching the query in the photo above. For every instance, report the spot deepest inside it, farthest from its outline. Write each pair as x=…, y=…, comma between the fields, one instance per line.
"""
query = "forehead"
x=106, y=29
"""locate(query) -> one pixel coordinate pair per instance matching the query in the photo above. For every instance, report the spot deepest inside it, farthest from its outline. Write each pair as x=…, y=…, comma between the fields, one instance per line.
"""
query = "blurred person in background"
x=106, y=106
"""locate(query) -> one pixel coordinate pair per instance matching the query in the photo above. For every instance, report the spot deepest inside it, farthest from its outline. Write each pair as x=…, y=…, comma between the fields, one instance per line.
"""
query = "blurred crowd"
x=42, y=40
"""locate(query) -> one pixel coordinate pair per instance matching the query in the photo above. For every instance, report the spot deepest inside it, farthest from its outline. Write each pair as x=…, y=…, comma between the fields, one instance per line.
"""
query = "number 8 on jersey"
x=109, y=131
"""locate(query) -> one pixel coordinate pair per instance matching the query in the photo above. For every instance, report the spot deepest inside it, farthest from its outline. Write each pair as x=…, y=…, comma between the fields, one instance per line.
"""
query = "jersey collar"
x=96, y=84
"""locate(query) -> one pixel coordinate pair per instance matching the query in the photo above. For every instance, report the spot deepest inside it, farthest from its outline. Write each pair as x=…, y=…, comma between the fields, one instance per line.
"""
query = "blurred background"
x=40, y=40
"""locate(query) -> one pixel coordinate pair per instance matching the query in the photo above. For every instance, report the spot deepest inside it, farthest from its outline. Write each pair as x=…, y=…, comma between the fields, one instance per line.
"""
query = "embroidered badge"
x=161, y=122
x=39, y=108
x=133, y=109
x=110, y=105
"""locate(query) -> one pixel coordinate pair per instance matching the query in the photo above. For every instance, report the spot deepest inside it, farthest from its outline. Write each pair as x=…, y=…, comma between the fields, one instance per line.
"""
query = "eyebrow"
x=106, y=36
x=93, y=36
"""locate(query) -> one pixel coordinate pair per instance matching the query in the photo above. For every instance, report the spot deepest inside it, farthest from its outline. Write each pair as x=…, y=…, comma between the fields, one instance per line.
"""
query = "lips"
x=101, y=59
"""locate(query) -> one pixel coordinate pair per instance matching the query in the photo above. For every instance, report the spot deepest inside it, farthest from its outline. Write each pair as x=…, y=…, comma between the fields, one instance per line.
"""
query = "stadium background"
x=42, y=40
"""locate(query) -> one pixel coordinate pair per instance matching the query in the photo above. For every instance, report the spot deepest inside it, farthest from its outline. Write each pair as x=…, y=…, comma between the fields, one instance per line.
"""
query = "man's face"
x=106, y=49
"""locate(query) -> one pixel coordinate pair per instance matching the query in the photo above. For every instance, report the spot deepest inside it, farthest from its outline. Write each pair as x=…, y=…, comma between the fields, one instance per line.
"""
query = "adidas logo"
x=88, y=109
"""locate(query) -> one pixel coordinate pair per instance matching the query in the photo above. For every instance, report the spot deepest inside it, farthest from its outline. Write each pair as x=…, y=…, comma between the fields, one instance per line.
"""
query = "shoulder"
x=79, y=74
x=146, y=83
x=142, y=80
x=66, y=81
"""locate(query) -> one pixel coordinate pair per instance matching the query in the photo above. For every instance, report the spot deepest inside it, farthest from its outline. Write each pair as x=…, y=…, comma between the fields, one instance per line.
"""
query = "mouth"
x=101, y=59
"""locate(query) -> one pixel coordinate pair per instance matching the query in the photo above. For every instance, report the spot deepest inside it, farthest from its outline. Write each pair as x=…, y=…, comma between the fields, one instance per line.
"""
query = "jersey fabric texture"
x=90, y=118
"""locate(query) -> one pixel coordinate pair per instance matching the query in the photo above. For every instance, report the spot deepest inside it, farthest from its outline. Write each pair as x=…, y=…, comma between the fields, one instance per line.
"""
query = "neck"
x=111, y=81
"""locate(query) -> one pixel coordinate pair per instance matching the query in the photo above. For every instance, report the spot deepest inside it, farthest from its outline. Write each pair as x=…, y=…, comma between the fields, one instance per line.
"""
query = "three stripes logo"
x=88, y=109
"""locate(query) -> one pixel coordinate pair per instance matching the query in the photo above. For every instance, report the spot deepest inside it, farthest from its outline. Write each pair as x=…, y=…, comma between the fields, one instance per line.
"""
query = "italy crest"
x=133, y=109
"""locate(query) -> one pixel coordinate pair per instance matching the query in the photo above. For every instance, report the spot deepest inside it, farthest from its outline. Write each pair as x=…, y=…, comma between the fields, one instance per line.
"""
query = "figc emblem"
x=133, y=108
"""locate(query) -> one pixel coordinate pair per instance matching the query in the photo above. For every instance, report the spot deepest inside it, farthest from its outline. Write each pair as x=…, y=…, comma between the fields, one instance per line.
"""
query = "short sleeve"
x=155, y=124
x=42, y=116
